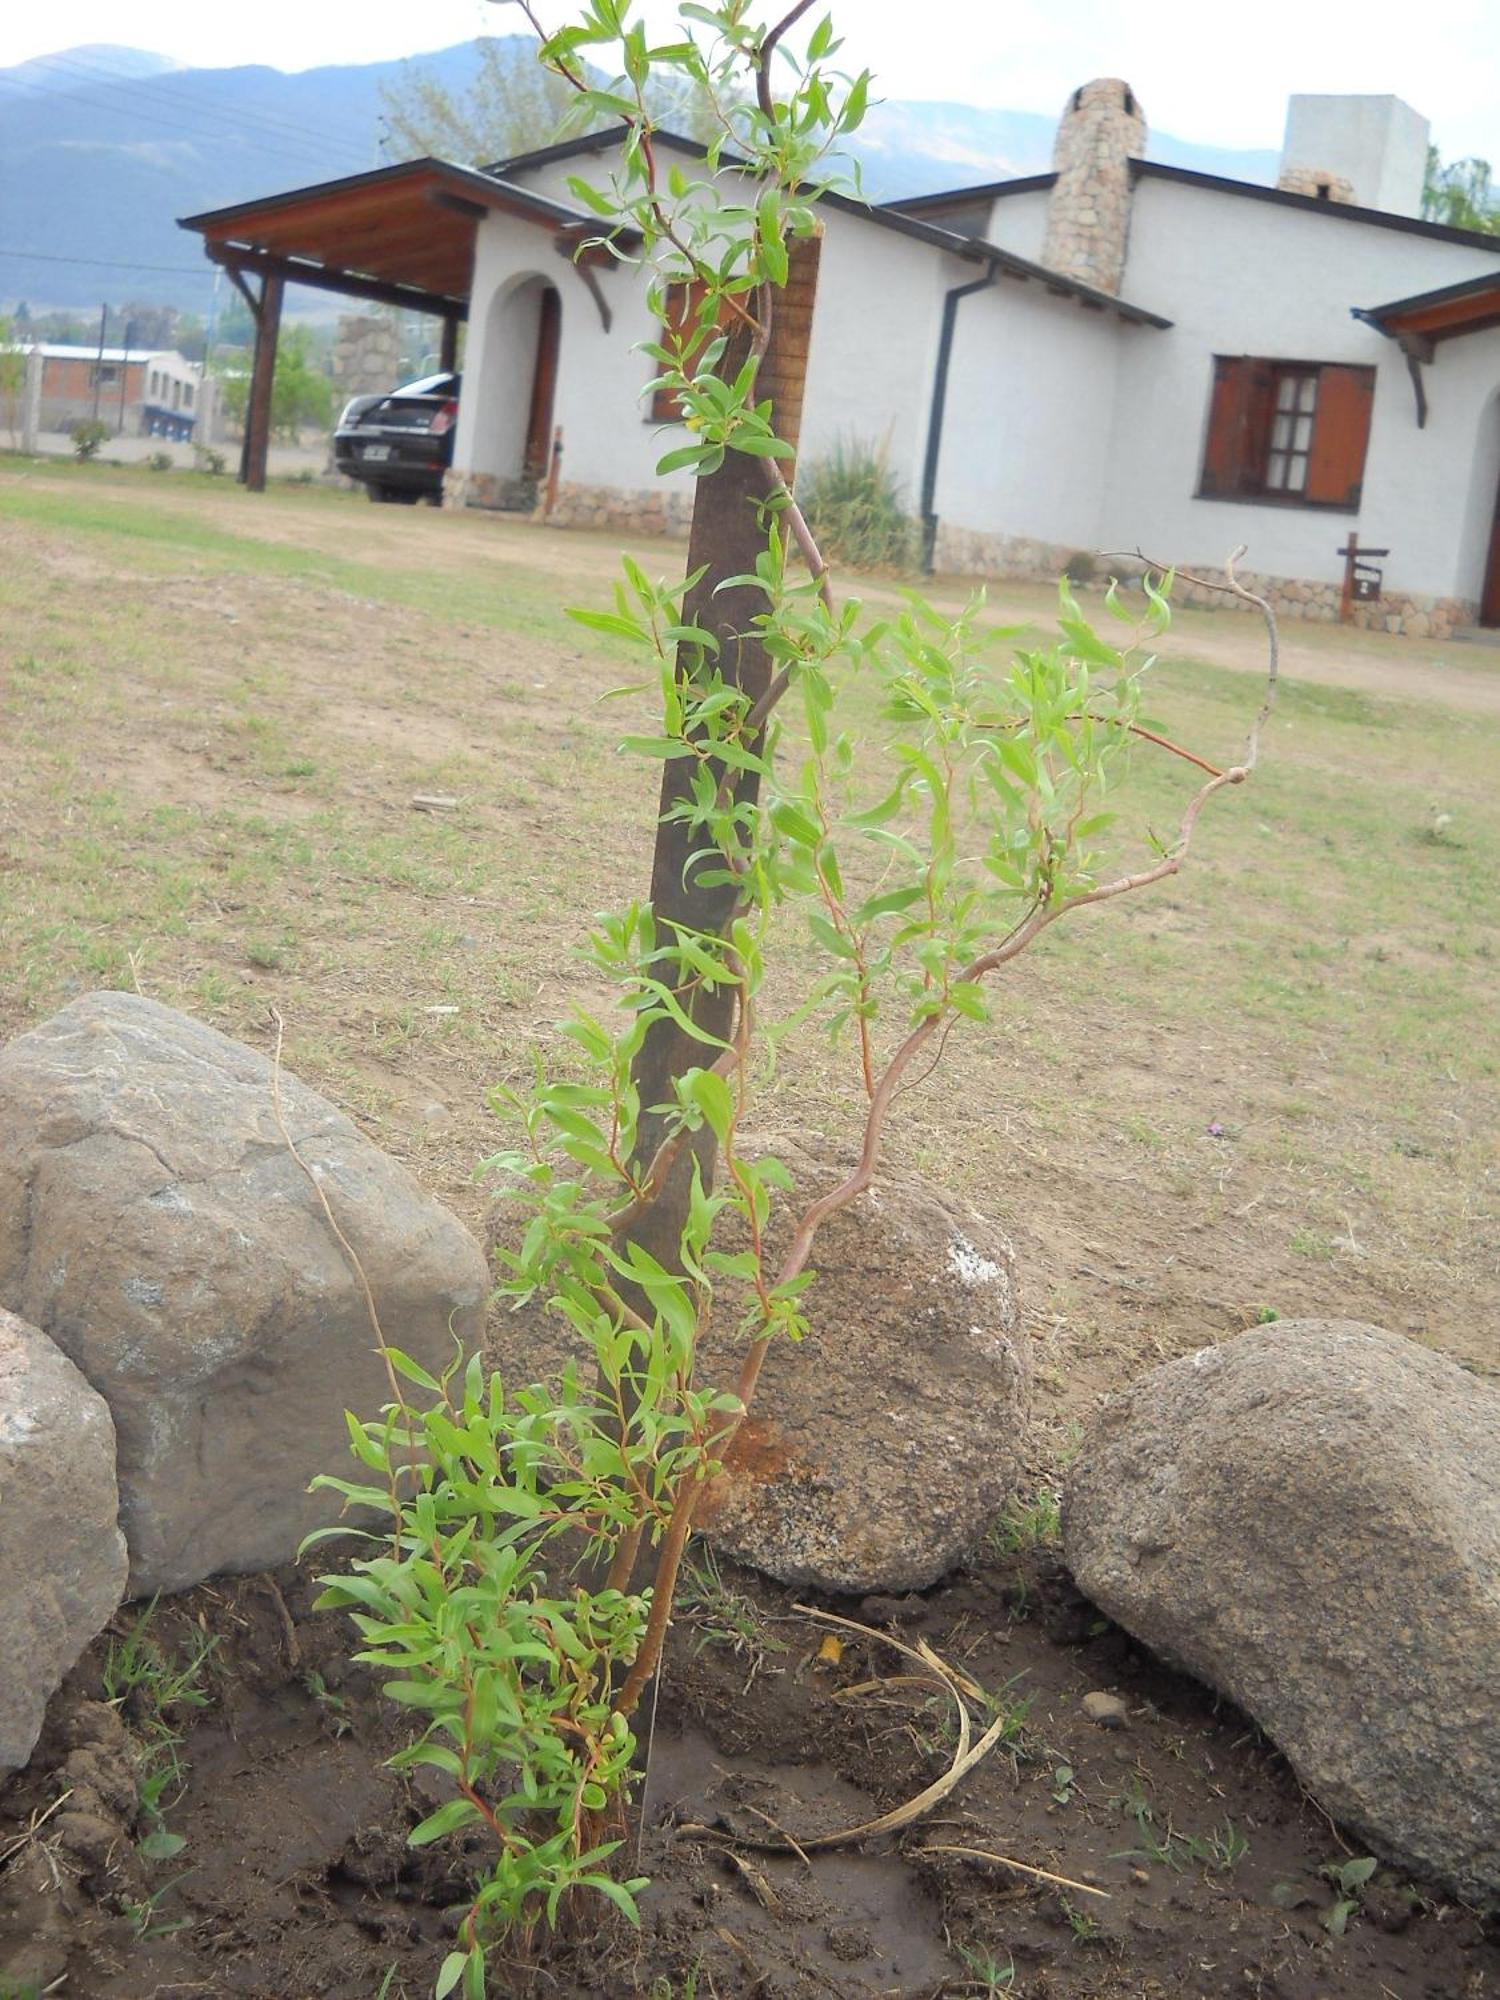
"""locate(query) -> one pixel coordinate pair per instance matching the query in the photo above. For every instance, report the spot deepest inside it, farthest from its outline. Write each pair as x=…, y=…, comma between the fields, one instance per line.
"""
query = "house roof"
x=971, y=249
x=926, y=204
x=401, y=234
x=51, y=350
x=1342, y=211
x=1469, y=307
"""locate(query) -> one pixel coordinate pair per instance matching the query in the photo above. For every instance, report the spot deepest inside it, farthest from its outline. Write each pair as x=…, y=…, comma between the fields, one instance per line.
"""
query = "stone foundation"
x=970, y=552
x=648, y=511
x=975, y=552
x=487, y=490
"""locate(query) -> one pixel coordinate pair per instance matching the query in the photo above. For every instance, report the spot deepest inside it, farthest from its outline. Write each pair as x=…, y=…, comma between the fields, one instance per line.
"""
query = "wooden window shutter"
x=684, y=301
x=1341, y=434
x=1239, y=423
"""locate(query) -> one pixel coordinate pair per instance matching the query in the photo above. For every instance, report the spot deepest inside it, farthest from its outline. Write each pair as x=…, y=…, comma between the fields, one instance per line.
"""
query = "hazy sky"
x=1217, y=74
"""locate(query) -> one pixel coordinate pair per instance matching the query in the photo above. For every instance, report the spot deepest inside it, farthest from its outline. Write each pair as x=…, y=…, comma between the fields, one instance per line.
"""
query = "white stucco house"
x=1114, y=355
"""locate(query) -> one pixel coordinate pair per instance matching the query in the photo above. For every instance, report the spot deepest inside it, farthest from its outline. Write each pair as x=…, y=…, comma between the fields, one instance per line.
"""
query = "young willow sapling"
x=894, y=806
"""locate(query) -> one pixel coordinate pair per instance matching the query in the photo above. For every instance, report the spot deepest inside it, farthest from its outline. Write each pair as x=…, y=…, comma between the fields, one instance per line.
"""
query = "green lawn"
x=217, y=708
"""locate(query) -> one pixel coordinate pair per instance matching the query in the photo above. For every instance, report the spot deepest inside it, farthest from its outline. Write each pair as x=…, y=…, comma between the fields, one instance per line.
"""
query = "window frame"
x=1264, y=378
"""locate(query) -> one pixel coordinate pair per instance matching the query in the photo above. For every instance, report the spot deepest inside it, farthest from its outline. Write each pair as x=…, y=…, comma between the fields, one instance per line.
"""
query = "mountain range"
x=103, y=147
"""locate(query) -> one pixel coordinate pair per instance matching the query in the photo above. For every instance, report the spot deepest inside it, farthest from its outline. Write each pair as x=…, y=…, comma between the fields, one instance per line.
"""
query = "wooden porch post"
x=448, y=354
x=724, y=540
x=262, y=378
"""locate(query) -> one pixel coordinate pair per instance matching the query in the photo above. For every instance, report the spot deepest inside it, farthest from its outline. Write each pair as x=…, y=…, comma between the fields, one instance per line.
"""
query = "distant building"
x=138, y=392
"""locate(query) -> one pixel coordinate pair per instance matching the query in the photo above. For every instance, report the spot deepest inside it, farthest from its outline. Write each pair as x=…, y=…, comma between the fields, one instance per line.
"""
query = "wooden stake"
x=724, y=541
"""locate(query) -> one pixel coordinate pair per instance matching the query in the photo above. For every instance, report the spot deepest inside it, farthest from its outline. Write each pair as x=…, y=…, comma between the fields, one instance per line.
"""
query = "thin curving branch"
x=766, y=51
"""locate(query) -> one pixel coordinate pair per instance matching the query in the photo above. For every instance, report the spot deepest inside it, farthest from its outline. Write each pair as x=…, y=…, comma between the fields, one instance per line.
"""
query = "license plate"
x=377, y=451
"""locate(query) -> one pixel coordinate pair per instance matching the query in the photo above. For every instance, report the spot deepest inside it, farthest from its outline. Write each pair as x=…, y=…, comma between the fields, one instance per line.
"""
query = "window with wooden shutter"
x=1341, y=434
x=1292, y=432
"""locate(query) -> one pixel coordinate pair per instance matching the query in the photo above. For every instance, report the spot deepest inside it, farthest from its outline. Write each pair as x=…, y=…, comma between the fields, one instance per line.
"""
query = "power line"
x=112, y=263
x=311, y=155
x=212, y=106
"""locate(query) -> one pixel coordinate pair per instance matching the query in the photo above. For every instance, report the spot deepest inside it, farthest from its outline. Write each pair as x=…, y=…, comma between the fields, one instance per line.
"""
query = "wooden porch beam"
x=262, y=381
x=293, y=271
x=448, y=354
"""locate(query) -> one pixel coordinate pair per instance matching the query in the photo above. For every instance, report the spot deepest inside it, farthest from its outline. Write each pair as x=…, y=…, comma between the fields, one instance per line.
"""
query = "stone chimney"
x=1088, y=217
x=1316, y=182
x=1375, y=147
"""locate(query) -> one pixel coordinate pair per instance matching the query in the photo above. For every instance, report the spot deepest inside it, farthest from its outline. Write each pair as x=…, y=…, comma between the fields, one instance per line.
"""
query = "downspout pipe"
x=951, y=303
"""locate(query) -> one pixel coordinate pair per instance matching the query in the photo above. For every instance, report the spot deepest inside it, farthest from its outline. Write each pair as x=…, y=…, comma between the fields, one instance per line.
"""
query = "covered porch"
x=1421, y=326
x=401, y=236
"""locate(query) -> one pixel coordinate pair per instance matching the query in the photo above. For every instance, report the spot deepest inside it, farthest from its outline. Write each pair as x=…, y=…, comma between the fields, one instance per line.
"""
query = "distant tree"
x=1462, y=194
x=513, y=106
x=12, y=374
x=301, y=394
x=191, y=340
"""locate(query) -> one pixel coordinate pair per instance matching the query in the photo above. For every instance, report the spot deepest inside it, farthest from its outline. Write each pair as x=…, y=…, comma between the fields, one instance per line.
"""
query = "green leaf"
x=687, y=454
x=449, y=1974
x=590, y=196
x=890, y=904
x=159, y=1845
x=447, y=1819
x=609, y=621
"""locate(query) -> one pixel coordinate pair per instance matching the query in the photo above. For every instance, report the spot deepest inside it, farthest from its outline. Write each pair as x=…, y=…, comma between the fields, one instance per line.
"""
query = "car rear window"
x=430, y=385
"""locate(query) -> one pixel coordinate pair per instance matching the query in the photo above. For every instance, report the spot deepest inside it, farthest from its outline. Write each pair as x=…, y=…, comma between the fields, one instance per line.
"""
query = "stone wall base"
x=648, y=511
x=487, y=490
x=971, y=552
x=968, y=552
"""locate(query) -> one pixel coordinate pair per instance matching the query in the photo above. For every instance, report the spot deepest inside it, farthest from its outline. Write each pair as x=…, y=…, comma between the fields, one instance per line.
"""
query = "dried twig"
x=1021, y=1867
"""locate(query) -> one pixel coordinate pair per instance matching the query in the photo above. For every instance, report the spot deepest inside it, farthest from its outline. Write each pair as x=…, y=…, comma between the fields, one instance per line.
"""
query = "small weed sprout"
x=1085, y=1929
x=722, y=1615
x=987, y=1976
x=1350, y=1879
x=151, y=1692
x=1023, y=1525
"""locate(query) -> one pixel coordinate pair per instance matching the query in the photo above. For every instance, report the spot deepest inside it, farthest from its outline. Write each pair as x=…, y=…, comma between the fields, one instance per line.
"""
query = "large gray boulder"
x=155, y=1224
x=1308, y=1519
x=62, y=1556
x=879, y=1447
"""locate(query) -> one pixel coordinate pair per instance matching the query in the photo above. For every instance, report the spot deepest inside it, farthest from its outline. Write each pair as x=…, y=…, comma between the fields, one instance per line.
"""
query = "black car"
x=400, y=445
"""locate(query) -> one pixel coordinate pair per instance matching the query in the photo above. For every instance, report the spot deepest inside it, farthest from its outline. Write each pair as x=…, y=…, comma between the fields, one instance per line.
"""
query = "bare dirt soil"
x=1271, y=1089
x=1194, y=1865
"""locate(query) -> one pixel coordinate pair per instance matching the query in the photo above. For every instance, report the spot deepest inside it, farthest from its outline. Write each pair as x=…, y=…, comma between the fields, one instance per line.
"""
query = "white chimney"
x=1377, y=146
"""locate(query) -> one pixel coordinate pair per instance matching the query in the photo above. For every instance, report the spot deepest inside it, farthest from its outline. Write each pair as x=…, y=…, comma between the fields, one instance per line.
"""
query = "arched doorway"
x=1484, y=512
x=517, y=385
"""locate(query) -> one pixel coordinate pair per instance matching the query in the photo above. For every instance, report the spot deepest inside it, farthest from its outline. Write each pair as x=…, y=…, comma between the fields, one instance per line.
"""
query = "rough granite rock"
x=62, y=1556
x=154, y=1223
x=1308, y=1519
x=880, y=1447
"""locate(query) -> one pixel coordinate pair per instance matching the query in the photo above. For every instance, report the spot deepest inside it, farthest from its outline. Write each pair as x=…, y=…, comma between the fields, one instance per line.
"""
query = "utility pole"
x=99, y=359
x=125, y=374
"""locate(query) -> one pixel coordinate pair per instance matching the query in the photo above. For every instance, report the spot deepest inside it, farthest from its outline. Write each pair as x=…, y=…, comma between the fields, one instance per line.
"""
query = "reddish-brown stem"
x=663, y=1590
x=626, y=1550
x=767, y=50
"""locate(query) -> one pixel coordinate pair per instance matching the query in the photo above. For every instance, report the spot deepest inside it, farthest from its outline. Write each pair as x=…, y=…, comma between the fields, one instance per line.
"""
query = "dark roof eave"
x=1345, y=211
x=482, y=184
x=970, y=249
x=956, y=197
x=1487, y=281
